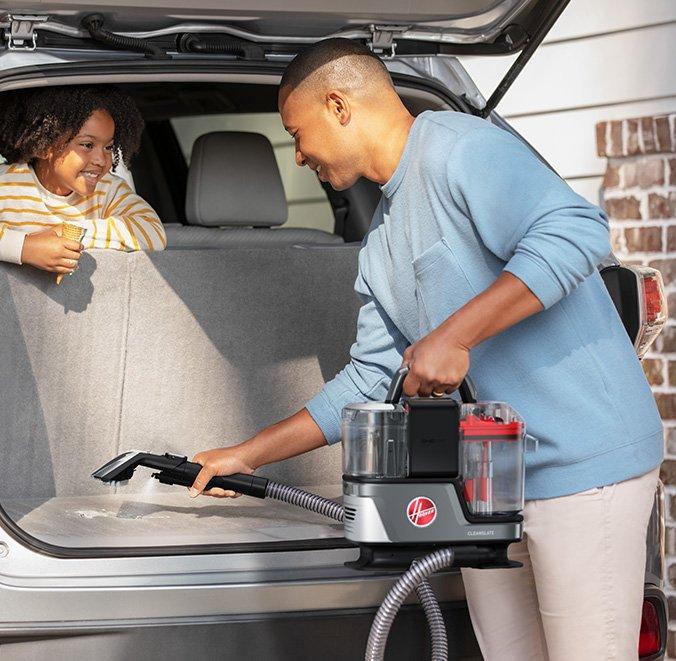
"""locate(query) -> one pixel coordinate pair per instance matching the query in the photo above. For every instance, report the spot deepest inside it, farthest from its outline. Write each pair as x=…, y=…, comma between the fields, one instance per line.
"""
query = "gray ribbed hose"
x=333, y=510
x=308, y=501
x=435, y=620
x=380, y=629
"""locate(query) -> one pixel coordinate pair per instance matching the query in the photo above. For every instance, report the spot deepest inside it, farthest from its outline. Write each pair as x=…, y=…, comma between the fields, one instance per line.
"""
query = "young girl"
x=60, y=145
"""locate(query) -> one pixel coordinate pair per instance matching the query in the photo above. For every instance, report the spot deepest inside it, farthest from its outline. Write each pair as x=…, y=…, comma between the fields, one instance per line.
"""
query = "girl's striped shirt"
x=113, y=215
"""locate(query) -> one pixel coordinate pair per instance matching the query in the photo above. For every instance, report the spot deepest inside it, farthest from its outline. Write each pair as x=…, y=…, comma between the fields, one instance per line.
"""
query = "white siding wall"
x=603, y=59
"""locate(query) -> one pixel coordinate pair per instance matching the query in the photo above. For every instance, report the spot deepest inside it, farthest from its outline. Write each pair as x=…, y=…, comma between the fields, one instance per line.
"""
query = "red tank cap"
x=474, y=426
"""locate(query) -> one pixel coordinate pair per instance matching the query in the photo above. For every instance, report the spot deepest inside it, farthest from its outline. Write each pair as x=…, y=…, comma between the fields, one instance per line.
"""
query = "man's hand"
x=437, y=364
x=48, y=251
x=222, y=461
x=440, y=361
x=287, y=438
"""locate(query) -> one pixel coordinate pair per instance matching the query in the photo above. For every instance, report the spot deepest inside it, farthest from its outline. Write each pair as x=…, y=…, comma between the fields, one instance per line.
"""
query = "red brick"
x=623, y=208
x=671, y=607
x=601, y=138
x=672, y=373
x=643, y=239
x=654, y=371
x=632, y=145
x=671, y=301
x=629, y=175
x=648, y=135
x=612, y=177
x=666, y=341
x=668, y=472
x=650, y=172
x=671, y=543
x=671, y=643
x=672, y=574
x=670, y=444
x=614, y=147
x=658, y=206
x=663, y=134
x=666, y=403
x=617, y=239
x=667, y=267
x=671, y=240
x=672, y=204
x=672, y=171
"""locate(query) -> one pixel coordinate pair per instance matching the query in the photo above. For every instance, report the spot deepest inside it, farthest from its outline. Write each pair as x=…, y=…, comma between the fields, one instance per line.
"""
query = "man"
x=477, y=247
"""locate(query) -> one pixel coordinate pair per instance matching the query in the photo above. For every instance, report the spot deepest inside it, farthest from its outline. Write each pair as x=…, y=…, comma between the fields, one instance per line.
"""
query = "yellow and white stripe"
x=114, y=217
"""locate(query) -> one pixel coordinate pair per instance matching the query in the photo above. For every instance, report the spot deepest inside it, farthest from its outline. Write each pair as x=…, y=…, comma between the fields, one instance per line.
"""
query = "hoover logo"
x=421, y=512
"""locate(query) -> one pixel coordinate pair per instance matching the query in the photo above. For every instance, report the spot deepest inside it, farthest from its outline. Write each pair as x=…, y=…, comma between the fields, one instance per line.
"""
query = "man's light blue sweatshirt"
x=467, y=201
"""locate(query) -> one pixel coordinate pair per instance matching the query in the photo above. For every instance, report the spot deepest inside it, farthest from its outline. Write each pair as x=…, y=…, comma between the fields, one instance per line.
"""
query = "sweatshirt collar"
x=389, y=188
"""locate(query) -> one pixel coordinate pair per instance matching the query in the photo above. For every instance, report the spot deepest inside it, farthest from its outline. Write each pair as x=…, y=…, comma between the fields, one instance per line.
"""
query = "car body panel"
x=463, y=21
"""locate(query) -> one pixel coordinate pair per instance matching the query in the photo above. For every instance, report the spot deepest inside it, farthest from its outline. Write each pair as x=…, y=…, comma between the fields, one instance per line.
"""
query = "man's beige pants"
x=579, y=594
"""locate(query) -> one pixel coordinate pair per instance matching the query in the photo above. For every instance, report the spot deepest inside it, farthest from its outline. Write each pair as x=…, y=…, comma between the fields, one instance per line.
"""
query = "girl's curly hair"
x=32, y=122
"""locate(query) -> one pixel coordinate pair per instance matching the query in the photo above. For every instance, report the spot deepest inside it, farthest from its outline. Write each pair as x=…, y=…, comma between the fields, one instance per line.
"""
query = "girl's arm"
x=45, y=249
x=11, y=244
x=128, y=223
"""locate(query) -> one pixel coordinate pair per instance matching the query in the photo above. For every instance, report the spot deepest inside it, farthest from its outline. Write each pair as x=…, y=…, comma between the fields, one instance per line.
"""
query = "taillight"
x=652, y=307
x=649, y=641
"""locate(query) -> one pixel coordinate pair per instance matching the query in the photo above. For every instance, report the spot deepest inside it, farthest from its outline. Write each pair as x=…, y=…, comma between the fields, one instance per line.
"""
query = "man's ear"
x=339, y=106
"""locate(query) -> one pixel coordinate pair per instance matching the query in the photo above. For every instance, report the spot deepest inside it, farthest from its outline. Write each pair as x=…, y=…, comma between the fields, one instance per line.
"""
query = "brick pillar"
x=639, y=195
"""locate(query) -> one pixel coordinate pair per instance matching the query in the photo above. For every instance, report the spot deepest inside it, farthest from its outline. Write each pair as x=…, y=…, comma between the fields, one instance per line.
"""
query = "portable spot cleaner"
x=428, y=484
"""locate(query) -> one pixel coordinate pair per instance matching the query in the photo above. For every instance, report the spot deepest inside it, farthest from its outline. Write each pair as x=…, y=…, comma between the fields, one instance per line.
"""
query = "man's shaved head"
x=340, y=64
x=338, y=102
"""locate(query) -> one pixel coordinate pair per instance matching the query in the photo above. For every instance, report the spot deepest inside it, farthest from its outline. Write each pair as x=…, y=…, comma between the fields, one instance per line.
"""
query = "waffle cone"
x=73, y=232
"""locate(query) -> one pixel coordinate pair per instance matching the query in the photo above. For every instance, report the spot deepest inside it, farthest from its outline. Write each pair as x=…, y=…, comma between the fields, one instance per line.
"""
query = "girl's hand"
x=222, y=461
x=48, y=251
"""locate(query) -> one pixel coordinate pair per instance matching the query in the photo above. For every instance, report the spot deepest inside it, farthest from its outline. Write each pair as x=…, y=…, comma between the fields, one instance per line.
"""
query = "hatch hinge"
x=383, y=38
x=20, y=32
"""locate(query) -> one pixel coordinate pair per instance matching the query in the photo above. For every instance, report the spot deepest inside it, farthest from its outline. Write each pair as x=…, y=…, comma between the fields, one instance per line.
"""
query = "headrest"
x=234, y=180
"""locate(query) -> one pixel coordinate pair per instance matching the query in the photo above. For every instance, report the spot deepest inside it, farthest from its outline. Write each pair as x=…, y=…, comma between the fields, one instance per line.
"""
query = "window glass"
x=308, y=204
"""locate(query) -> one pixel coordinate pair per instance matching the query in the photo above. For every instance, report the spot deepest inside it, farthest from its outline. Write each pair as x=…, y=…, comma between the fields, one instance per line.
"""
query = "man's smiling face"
x=323, y=138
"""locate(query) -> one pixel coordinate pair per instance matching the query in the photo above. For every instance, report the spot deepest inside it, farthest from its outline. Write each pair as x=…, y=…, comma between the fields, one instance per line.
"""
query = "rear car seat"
x=235, y=197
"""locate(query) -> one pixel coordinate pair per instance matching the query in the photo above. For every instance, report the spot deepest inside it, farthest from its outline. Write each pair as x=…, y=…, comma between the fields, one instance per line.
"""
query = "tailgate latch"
x=382, y=38
x=22, y=35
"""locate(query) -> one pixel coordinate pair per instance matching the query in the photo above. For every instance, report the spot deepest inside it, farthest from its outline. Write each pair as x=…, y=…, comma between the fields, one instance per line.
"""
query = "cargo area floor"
x=156, y=518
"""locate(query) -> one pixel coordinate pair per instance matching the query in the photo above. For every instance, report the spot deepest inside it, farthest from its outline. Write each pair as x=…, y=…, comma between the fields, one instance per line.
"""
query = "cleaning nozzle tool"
x=175, y=469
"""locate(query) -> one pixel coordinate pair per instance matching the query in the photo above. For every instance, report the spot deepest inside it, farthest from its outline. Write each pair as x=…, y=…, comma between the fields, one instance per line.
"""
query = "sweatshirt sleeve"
x=374, y=357
x=550, y=238
x=11, y=244
x=128, y=223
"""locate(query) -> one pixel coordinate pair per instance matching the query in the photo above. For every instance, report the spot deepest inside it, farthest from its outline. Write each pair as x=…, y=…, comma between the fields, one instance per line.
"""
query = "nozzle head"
x=119, y=469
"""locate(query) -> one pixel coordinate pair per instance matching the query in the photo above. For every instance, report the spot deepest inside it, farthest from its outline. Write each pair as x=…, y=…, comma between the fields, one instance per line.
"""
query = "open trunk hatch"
x=426, y=27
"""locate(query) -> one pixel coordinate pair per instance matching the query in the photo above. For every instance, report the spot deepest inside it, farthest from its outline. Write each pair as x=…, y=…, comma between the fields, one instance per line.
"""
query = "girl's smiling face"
x=82, y=162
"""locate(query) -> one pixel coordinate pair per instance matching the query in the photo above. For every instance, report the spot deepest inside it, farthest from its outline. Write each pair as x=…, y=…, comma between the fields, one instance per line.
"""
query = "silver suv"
x=236, y=325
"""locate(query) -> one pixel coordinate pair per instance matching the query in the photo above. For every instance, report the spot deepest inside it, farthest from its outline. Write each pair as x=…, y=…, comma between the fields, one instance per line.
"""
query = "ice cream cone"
x=73, y=232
